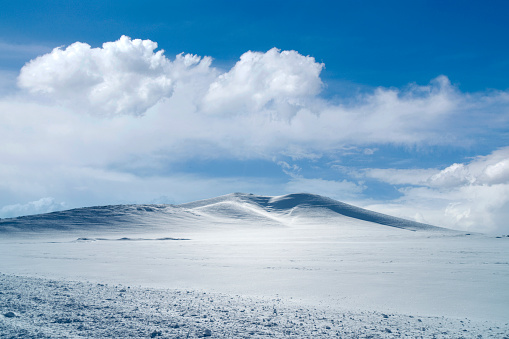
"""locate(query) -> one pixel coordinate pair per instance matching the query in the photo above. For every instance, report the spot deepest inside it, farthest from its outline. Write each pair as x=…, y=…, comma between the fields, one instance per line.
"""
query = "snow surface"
x=49, y=309
x=321, y=262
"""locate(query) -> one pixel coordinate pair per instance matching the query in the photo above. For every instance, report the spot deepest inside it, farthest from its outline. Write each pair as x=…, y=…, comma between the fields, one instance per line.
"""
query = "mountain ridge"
x=230, y=208
x=308, y=200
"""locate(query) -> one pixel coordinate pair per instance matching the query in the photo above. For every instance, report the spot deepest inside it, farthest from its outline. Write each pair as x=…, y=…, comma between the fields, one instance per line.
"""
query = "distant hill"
x=232, y=209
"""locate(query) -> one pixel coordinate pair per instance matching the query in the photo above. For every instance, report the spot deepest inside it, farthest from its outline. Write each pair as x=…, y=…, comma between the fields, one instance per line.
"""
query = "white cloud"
x=395, y=176
x=470, y=196
x=43, y=205
x=283, y=79
x=124, y=76
x=291, y=170
x=454, y=175
x=7, y=82
x=15, y=51
x=267, y=106
x=483, y=170
x=316, y=127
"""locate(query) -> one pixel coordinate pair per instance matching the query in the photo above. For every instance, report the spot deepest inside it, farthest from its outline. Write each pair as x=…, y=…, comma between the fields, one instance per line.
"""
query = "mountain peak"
x=305, y=202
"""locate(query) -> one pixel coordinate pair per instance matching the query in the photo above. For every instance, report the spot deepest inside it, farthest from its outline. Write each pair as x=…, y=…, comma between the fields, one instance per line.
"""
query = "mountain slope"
x=235, y=209
x=304, y=204
x=101, y=218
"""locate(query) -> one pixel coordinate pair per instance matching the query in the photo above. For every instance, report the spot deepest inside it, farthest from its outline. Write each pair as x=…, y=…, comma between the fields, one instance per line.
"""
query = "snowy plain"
x=243, y=265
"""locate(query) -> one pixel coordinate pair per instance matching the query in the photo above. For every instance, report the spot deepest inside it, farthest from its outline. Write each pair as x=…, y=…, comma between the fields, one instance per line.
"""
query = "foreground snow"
x=41, y=308
x=242, y=265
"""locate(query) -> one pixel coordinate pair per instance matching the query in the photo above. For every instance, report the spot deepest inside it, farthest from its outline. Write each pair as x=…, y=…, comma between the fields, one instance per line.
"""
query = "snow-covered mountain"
x=303, y=205
x=235, y=209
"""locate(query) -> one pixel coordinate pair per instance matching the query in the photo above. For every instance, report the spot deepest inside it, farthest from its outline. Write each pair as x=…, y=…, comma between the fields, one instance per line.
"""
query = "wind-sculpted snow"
x=108, y=219
x=41, y=308
x=238, y=210
x=303, y=205
x=309, y=201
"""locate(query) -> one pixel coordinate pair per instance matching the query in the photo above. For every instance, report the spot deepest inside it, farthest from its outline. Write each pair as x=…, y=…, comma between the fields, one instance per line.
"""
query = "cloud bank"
x=97, y=125
x=471, y=196
x=264, y=100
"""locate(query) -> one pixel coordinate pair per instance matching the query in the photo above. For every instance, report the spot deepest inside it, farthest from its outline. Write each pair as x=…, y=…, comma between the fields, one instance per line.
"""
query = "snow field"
x=43, y=308
x=245, y=266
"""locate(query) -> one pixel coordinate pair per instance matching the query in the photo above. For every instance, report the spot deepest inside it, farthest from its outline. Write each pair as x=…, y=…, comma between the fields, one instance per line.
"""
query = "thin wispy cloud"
x=15, y=51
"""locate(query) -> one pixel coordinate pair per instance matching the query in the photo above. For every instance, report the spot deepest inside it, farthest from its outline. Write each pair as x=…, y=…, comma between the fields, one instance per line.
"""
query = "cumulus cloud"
x=124, y=76
x=483, y=170
x=471, y=196
x=281, y=78
x=267, y=103
x=267, y=106
x=452, y=176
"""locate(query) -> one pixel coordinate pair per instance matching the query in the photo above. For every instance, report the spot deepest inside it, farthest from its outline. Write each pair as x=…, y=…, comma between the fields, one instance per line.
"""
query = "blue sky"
x=398, y=106
x=371, y=43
